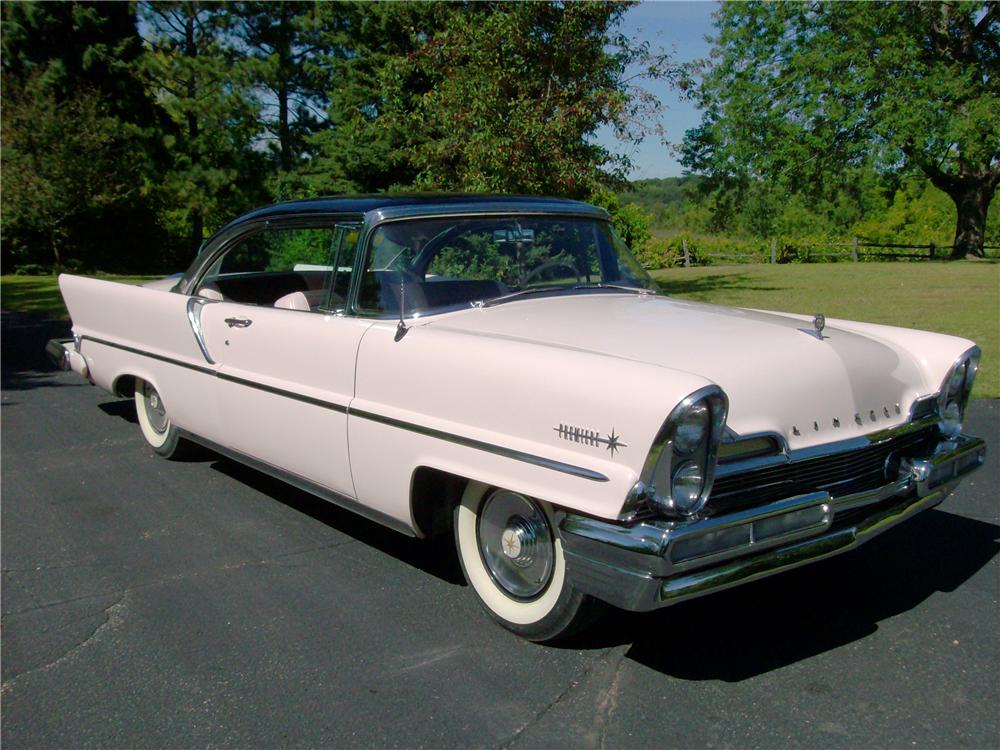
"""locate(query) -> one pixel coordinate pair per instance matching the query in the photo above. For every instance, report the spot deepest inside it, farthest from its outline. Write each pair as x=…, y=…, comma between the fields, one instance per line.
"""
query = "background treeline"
x=889, y=208
x=131, y=131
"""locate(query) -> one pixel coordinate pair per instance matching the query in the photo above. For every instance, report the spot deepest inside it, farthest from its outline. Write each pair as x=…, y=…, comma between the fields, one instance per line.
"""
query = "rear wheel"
x=162, y=436
x=513, y=560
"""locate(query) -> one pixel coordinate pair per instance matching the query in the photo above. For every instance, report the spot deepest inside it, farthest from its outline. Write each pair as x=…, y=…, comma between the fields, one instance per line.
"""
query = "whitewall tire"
x=512, y=558
x=154, y=422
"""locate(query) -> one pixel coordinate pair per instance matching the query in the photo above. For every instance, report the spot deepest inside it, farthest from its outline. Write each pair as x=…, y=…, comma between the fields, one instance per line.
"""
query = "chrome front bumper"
x=653, y=564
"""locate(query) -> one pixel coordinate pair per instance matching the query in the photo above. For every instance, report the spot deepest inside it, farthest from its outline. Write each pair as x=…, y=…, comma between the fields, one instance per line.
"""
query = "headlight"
x=679, y=470
x=955, y=393
x=686, y=486
x=692, y=429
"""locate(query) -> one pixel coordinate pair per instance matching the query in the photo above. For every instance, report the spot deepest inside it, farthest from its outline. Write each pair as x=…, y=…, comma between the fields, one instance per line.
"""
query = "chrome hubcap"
x=515, y=542
x=155, y=412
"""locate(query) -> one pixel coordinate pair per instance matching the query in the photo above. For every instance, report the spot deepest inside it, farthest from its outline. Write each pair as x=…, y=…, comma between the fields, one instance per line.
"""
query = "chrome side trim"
x=151, y=355
x=499, y=450
x=331, y=405
x=194, y=305
x=303, y=484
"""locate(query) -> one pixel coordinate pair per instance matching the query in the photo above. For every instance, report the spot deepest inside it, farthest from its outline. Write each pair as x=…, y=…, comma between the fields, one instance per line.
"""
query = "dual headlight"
x=955, y=393
x=681, y=466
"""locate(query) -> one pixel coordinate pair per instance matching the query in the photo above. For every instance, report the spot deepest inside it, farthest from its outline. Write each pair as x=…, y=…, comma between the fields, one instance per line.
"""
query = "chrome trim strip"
x=547, y=463
x=528, y=458
x=303, y=484
x=332, y=406
x=151, y=355
x=821, y=451
x=194, y=305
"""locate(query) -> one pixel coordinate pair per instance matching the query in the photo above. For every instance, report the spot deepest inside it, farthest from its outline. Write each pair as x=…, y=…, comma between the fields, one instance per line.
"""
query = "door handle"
x=238, y=322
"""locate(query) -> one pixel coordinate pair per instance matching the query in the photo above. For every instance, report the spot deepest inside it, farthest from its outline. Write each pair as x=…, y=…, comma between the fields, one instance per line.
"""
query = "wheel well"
x=124, y=386
x=433, y=497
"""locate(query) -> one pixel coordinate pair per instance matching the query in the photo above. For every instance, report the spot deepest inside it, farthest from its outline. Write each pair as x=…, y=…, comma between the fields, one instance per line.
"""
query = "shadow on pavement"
x=436, y=556
x=753, y=629
x=23, y=364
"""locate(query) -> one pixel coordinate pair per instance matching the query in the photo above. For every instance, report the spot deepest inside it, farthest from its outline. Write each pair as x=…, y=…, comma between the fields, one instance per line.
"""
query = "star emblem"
x=614, y=443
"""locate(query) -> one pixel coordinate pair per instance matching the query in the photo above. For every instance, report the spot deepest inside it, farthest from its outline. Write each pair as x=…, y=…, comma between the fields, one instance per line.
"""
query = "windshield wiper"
x=519, y=293
x=621, y=287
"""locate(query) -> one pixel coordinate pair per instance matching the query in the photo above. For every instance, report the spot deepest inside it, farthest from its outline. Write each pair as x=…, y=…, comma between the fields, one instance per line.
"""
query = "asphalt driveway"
x=149, y=603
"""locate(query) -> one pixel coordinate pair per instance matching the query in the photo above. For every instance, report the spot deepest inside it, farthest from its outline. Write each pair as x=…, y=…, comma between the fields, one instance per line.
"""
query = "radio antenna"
x=401, y=328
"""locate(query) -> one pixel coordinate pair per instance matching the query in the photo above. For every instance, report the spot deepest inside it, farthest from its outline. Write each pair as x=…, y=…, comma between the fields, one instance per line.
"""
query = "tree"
x=204, y=85
x=799, y=93
x=66, y=164
x=363, y=149
x=281, y=37
x=515, y=94
x=485, y=97
x=79, y=135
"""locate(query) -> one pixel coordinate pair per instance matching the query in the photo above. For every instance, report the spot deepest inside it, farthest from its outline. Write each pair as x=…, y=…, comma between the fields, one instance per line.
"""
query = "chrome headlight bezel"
x=666, y=458
x=956, y=388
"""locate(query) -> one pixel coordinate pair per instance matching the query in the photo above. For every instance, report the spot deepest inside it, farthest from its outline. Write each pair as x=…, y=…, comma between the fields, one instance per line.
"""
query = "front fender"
x=567, y=426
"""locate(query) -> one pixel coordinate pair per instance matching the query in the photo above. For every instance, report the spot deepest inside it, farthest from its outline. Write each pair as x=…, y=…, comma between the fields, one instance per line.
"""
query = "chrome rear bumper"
x=652, y=564
x=64, y=354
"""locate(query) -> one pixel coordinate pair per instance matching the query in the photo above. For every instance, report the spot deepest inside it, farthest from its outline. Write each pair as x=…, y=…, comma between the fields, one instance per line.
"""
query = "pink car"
x=502, y=369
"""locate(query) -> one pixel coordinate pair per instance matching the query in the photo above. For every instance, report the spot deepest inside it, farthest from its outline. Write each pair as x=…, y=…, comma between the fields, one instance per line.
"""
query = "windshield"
x=433, y=265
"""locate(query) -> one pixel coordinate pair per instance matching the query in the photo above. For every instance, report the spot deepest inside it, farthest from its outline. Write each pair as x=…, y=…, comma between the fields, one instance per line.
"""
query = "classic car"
x=501, y=368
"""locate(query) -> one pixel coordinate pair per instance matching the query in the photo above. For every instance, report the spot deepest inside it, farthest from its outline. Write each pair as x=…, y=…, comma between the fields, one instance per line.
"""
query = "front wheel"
x=512, y=558
x=162, y=436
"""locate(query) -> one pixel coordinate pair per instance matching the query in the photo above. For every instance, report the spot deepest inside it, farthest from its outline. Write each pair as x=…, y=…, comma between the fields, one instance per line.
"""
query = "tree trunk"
x=284, y=50
x=972, y=201
x=57, y=264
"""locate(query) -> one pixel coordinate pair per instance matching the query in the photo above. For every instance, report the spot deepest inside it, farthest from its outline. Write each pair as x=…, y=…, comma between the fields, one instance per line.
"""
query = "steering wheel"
x=555, y=263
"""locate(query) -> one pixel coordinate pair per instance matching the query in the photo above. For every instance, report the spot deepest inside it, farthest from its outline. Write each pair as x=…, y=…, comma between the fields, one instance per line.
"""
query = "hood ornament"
x=819, y=323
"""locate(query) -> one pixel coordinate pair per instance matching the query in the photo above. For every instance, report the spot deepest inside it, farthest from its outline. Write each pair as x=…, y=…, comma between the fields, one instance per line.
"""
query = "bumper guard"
x=653, y=564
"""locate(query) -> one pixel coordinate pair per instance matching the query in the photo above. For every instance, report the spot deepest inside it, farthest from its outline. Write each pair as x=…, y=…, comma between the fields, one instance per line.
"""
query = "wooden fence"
x=854, y=251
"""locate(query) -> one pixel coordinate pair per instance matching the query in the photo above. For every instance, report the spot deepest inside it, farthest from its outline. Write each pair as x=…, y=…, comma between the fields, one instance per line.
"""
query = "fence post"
x=774, y=251
x=931, y=247
x=854, y=250
x=687, y=256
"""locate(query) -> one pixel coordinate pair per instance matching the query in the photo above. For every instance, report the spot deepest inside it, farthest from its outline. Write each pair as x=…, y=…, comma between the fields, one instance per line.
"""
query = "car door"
x=285, y=352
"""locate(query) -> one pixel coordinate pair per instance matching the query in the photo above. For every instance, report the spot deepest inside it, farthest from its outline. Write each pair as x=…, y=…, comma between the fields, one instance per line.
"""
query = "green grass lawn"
x=40, y=294
x=961, y=298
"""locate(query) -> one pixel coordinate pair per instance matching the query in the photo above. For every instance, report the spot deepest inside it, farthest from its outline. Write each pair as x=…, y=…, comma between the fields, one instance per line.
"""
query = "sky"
x=680, y=28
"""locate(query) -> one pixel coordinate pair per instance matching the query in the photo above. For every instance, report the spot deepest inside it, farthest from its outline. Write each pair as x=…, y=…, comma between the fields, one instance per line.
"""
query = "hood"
x=780, y=376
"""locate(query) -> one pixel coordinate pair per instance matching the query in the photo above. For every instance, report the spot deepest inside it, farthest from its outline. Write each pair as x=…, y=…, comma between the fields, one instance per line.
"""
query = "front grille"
x=839, y=474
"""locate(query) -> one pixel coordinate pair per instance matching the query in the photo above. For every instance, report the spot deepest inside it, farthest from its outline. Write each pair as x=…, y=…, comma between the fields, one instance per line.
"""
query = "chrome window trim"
x=377, y=217
x=194, y=305
x=229, y=236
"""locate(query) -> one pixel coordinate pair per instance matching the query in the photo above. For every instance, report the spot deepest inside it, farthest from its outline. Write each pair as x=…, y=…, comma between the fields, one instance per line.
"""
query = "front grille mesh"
x=840, y=474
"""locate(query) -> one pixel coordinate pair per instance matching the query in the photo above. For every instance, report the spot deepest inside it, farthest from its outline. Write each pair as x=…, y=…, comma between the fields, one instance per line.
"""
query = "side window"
x=289, y=267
